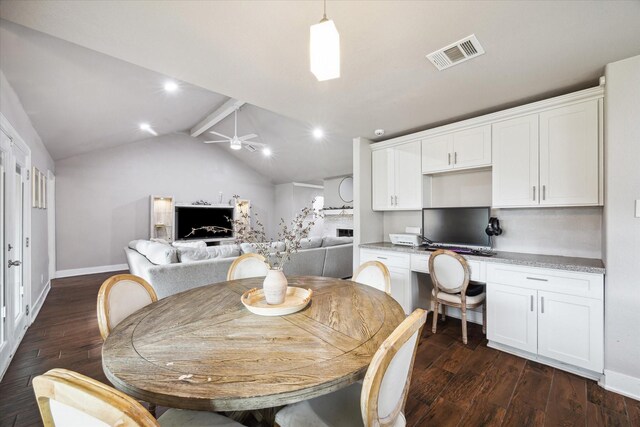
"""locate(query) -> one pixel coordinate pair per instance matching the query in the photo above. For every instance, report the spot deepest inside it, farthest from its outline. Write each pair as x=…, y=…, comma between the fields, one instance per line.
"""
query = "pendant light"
x=324, y=48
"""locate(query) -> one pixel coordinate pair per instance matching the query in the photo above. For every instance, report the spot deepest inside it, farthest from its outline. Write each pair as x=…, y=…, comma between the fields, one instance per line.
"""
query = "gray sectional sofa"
x=168, y=276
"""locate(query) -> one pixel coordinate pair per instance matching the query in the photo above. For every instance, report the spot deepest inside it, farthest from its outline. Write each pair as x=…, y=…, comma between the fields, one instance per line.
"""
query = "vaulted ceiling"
x=258, y=52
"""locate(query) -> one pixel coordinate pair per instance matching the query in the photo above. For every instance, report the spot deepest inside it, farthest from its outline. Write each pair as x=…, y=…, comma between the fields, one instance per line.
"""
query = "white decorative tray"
x=295, y=300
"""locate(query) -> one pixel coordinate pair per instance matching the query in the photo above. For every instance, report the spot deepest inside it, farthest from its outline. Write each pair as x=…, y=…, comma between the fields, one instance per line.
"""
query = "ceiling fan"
x=236, y=142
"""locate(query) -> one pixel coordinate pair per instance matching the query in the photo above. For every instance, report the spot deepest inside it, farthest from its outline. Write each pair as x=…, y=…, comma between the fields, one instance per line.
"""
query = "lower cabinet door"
x=570, y=330
x=512, y=316
x=401, y=286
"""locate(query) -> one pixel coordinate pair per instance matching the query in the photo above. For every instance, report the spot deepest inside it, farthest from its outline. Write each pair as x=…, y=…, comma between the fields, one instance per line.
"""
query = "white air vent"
x=455, y=53
x=249, y=147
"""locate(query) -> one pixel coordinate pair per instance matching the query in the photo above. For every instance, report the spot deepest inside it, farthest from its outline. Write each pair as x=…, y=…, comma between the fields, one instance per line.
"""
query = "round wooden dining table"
x=202, y=349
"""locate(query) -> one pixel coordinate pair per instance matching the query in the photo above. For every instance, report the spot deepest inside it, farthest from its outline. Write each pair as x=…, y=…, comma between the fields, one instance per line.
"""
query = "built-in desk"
x=545, y=308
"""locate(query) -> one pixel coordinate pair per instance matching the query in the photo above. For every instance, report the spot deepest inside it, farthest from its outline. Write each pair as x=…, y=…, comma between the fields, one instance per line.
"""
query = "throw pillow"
x=198, y=244
x=311, y=242
x=156, y=253
x=335, y=241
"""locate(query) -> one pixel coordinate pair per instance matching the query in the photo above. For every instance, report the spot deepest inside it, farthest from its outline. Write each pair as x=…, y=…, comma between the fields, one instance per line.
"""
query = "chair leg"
x=444, y=312
x=464, y=325
x=484, y=318
x=152, y=409
x=435, y=317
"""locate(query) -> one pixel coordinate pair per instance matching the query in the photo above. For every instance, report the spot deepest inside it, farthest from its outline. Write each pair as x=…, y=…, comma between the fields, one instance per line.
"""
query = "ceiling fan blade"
x=215, y=142
x=246, y=137
x=219, y=134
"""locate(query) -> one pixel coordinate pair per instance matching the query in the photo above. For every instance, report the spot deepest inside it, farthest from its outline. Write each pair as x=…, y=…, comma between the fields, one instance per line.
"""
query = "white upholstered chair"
x=379, y=400
x=120, y=296
x=247, y=265
x=66, y=398
x=450, y=277
x=375, y=274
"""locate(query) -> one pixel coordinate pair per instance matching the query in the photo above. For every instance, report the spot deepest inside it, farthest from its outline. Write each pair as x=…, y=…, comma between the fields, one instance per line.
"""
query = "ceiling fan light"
x=235, y=144
x=324, y=48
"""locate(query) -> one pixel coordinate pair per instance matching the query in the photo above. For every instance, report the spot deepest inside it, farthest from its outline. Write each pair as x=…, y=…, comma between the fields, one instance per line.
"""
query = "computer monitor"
x=457, y=226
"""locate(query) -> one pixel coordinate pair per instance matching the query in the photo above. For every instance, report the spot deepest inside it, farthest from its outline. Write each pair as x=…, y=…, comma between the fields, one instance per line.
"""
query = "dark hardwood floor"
x=453, y=384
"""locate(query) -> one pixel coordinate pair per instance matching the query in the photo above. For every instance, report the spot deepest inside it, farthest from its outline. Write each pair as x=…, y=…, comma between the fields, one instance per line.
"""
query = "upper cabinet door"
x=437, y=154
x=569, y=167
x=472, y=147
x=408, y=176
x=382, y=174
x=515, y=162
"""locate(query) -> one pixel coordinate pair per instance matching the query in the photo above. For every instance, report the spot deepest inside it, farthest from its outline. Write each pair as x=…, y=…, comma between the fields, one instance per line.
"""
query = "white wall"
x=290, y=199
x=103, y=196
x=332, y=193
x=12, y=109
x=622, y=229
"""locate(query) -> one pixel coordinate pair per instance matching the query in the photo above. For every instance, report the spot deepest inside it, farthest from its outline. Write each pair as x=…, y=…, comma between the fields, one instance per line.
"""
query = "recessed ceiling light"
x=266, y=151
x=170, y=86
x=147, y=128
x=317, y=133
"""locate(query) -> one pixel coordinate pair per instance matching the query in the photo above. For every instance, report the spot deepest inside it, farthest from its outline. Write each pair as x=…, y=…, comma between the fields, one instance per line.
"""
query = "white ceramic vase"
x=275, y=287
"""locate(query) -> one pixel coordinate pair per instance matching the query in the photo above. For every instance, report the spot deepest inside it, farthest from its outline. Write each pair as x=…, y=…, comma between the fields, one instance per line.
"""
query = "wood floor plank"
x=567, y=405
x=483, y=413
x=521, y=414
x=633, y=411
x=442, y=414
x=533, y=388
x=605, y=398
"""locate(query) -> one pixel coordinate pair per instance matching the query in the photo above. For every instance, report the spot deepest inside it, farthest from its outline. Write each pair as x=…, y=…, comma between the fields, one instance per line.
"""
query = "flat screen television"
x=190, y=218
x=457, y=226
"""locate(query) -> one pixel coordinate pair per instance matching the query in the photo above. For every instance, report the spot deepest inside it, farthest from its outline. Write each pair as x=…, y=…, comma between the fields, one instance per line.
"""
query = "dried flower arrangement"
x=291, y=235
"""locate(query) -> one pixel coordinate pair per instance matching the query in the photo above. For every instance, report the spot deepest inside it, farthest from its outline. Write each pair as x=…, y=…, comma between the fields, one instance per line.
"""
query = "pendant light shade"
x=325, y=50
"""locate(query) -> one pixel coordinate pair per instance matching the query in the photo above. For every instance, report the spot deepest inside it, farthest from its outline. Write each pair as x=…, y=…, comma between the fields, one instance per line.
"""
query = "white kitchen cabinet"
x=512, y=317
x=569, y=166
x=553, y=316
x=548, y=159
x=464, y=149
x=515, y=162
x=570, y=329
x=397, y=177
x=401, y=287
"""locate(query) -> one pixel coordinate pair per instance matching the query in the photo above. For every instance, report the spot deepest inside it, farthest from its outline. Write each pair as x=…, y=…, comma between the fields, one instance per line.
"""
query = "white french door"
x=14, y=209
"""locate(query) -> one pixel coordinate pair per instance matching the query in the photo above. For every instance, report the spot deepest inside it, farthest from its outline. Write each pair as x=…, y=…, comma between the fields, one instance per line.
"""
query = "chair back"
x=248, y=265
x=66, y=398
x=449, y=272
x=120, y=296
x=375, y=274
x=386, y=384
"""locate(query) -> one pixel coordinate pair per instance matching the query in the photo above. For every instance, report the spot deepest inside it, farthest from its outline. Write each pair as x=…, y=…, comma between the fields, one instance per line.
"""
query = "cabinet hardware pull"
x=455, y=158
x=15, y=263
x=448, y=158
x=538, y=279
x=396, y=197
x=534, y=193
x=542, y=305
x=381, y=257
x=544, y=192
x=531, y=302
x=391, y=200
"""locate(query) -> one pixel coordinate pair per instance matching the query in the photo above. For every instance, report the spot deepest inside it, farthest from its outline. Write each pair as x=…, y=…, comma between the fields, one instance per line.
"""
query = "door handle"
x=396, y=200
x=538, y=279
x=391, y=200
x=15, y=263
x=534, y=193
x=542, y=305
x=448, y=158
x=544, y=192
x=455, y=158
x=531, y=302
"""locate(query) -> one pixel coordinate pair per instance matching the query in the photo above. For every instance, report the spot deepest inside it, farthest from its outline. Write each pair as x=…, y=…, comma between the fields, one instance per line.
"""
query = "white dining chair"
x=67, y=398
x=375, y=274
x=379, y=400
x=450, y=277
x=247, y=265
x=120, y=296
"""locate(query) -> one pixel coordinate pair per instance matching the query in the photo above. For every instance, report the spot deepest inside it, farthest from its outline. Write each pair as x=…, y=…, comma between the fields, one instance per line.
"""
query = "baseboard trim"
x=622, y=384
x=90, y=270
x=35, y=310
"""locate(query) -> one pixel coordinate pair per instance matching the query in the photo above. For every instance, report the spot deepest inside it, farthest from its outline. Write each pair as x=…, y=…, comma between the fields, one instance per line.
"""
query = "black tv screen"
x=189, y=218
x=456, y=226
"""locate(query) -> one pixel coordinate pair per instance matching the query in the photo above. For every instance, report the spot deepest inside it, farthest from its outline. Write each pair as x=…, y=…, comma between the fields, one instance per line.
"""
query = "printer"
x=411, y=237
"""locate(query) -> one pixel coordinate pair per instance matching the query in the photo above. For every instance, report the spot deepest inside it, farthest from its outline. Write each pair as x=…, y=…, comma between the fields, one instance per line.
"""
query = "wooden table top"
x=202, y=349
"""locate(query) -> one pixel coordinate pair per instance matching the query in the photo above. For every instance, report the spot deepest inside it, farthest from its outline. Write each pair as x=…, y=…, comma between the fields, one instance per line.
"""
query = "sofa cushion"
x=311, y=242
x=224, y=251
x=335, y=241
x=252, y=248
x=197, y=244
x=156, y=253
x=212, y=252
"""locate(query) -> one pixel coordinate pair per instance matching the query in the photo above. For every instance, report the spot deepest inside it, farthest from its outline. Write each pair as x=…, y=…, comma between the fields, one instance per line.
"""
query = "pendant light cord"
x=324, y=12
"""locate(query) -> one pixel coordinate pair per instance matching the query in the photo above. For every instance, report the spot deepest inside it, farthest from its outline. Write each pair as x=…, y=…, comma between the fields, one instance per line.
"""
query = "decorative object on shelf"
x=324, y=48
x=345, y=189
x=296, y=299
x=161, y=218
x=276, y=252
x=201, y=203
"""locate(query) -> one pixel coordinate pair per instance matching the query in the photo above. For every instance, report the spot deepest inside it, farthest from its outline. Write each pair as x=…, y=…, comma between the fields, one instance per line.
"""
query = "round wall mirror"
x=345, y=189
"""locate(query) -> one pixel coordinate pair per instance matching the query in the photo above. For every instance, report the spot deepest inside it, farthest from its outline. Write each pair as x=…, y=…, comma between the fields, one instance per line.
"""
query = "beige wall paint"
x=103, y=196
x=12, y=109
x=622, y=229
